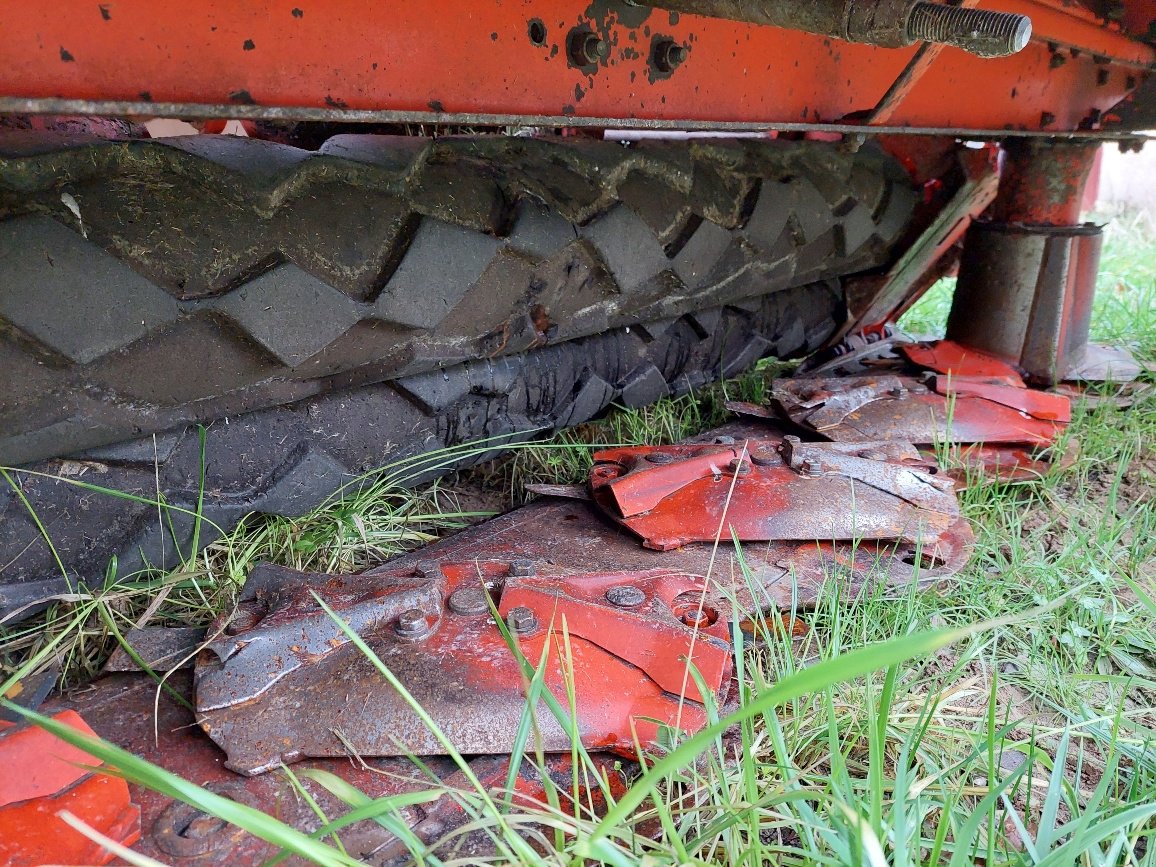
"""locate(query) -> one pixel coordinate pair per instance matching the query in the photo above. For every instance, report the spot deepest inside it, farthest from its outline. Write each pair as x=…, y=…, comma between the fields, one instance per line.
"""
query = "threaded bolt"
x=979, y=31
x=521, y=620
x=812, y=466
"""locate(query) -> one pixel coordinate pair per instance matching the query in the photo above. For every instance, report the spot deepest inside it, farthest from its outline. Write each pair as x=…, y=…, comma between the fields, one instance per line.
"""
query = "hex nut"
x=660, y=458
x=412, y=624
x=522, y=568
x=521, y=620
x=740, y=467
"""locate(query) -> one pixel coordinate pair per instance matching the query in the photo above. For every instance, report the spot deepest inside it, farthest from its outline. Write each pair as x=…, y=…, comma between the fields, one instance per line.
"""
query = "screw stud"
x=522, y=568
x=980, y=31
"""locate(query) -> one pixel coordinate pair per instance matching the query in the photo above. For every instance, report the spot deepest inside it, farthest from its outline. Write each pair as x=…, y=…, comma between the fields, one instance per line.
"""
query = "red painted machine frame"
x=506, y=61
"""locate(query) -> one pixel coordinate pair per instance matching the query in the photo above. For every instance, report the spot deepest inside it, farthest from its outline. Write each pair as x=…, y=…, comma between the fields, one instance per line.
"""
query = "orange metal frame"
x=476, y=60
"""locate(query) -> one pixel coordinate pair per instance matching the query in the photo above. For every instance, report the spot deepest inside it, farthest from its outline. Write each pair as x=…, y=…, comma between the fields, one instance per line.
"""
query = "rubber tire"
x=146, y=284
x=288, y=459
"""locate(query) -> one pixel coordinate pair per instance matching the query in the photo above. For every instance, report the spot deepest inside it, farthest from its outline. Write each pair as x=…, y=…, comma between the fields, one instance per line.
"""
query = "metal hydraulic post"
x=1027, y=276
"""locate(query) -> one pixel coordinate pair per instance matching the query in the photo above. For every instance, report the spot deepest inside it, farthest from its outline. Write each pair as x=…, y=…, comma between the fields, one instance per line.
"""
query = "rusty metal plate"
x=955, y=409
x=765, y=489
x=120, y=708
x=947, y=356
x=548, y=559
x=626, y=663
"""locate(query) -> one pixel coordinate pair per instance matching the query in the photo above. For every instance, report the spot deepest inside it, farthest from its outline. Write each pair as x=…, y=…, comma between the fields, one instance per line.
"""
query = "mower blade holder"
x=766, y=490
x=288, y=684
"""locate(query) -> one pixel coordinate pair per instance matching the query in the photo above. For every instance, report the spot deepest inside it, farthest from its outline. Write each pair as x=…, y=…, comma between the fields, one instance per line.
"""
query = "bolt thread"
x=980, y=31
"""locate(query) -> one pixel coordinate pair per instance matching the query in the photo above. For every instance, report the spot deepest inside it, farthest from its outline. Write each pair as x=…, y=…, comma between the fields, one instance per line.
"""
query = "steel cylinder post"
x=1027, y=276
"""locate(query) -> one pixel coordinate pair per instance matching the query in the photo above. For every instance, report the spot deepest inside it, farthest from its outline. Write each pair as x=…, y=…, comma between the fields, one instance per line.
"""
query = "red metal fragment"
x=1046, y=406
x=121, y=709
x=947, y=356
x=953, y=408
x=981, y=463
x=772, y=489
x=44, y=776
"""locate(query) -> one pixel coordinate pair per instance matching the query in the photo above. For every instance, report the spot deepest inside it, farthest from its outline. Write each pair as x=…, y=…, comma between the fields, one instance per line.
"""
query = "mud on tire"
x=327, y=312
x=148, y=284
x=287, y=460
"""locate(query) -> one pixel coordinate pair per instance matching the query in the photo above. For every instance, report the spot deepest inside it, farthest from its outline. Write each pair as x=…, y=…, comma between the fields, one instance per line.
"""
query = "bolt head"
x=521, y=620
x=812, y=466
x=765, y=456
x=660, y=458
x=625, y=596
x=695, y=618
x=469, y=602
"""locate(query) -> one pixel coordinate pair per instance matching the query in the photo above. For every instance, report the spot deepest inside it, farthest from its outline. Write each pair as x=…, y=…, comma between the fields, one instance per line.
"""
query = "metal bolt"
x=724, y=441
x=812, y=466
x=765, y=456
x=667, y=55
x=522, y=568
x=740, y=467
x=469, y=601
x=521, y=620
x=980, y=31
x=428, y=569
x=660, y=458
x=625, y=597
x=587, y=48
x=695, y=618
x=898, y=391
x=412, y=624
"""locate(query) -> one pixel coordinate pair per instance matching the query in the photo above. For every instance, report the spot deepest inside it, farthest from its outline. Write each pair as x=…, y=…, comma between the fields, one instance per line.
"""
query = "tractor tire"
x=288, y=460
x=149, y=284
x=327, y=312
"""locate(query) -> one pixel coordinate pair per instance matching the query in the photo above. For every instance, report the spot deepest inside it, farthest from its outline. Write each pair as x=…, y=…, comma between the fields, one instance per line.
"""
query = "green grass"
x=1006, y=717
